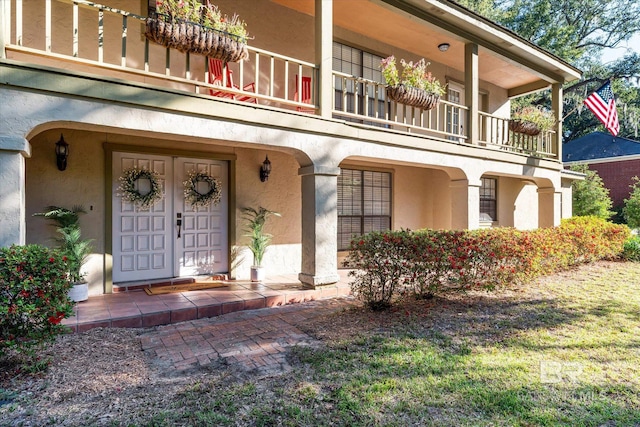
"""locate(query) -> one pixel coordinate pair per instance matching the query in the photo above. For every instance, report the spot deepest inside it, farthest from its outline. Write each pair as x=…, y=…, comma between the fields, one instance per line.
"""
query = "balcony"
x=83, y=36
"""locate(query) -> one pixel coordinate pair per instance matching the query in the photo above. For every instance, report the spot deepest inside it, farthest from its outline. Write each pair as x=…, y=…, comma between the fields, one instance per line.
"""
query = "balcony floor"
x=136, y=309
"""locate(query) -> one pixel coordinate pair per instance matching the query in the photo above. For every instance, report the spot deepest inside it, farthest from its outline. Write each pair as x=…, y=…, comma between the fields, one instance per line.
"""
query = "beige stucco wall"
x=517, y=203
x=83, y=183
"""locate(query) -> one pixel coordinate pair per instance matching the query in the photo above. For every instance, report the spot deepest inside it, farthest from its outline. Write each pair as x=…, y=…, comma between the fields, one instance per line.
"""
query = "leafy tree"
x=631, y=210
x=577, y=31
x=572, y=29
x=590, y=196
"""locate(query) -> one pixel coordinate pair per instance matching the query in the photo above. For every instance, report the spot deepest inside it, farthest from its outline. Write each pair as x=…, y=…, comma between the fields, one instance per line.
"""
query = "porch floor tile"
x=136, y=309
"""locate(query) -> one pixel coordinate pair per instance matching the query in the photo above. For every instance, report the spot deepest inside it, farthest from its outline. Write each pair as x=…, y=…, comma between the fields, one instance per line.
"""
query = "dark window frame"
x=369, y=195
x=489, y=198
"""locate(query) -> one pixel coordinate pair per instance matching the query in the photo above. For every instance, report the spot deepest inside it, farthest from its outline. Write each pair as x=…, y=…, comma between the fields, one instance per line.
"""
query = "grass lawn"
x=562, y=351
x=565, y=351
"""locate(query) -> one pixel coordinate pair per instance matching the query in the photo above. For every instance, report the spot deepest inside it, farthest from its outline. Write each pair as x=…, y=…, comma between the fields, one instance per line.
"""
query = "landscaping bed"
x=562, y=350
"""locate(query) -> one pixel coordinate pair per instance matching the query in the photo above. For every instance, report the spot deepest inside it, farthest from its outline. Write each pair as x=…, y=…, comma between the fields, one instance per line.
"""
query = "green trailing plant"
x=413, y=74
x=542, y=118
x=71, y=243
x=395, y=264
x=33, y=296
x=259, y=240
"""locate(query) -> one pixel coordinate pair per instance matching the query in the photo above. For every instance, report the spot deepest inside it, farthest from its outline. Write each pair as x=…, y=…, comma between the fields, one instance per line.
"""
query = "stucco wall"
x=83, y=183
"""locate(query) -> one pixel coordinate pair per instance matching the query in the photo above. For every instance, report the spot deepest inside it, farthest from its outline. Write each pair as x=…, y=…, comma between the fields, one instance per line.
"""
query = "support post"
x=472, y=92
x=324, y=58
x=549, y=207
x=465, y=204
x=319, y=225
x=13, y=151
x=556, y=105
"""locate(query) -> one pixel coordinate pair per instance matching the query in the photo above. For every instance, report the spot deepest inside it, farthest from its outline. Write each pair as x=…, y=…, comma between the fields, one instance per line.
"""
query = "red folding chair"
x=218, y=77
x=306, y=94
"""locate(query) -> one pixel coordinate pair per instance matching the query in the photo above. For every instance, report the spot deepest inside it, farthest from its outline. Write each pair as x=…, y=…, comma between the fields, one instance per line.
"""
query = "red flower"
x=52, y=259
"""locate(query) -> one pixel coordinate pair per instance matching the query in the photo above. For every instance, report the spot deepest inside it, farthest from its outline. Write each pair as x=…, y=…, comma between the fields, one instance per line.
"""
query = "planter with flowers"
x=415, y=86
x=190, y=26
x=531, y=120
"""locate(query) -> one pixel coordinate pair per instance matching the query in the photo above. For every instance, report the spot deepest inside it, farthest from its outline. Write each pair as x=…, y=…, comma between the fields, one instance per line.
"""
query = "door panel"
x=142, y=245
x=203, y=247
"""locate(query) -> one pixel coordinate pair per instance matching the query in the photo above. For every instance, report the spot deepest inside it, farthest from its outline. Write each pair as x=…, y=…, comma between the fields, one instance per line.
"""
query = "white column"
x=319, y=225
x=472, y=91
x=324, y=47
x=556, y=105
x=549, y=201
x=5, y=26
x=13, y=151
x=465, y=204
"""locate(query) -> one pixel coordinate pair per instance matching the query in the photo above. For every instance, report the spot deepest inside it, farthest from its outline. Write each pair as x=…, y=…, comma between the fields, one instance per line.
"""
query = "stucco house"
x=615, y=159
x=345, y=158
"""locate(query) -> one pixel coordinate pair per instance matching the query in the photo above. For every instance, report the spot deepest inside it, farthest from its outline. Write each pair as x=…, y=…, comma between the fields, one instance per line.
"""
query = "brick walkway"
x=254, y=341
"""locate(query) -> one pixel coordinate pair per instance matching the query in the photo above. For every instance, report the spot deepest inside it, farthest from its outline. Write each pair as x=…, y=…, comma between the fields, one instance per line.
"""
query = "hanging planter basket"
x=191, y=37
x=413, y=96
x=524, y=126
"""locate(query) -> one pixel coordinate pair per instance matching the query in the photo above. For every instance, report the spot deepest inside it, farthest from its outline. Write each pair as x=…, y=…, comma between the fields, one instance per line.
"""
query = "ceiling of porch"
x=384, y=23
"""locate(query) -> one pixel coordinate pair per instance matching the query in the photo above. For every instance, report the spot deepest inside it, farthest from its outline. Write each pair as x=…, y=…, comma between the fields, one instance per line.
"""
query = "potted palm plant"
x=258, y=240
x=73, y=246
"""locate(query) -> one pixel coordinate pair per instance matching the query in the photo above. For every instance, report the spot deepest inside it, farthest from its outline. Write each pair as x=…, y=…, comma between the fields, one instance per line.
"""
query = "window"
x=454, y=119
x=364, y=204
x=488, y=199
x=358, y=63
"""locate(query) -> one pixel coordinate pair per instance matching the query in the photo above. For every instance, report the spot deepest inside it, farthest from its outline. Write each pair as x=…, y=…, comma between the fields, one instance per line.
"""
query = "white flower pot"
x=79, y=292
x=257, y=273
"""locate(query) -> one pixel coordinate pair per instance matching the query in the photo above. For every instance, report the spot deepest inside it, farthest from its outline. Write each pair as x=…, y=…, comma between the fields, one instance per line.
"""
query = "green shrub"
x=631, y=210
x=33, y=296
x=378, y=267
x=590, y=196
x=394, y=264
x=631, y=250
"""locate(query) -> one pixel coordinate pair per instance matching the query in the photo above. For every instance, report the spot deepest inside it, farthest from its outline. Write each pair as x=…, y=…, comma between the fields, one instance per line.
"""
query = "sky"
x=613, y=54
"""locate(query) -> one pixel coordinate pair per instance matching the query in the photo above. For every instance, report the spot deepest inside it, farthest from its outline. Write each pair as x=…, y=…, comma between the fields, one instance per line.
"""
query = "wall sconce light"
x=62, y=152
x=265, y=169
x=443, y=47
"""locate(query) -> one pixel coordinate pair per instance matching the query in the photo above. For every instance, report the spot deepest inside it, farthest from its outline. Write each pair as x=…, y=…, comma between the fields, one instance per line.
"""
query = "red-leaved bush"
x=422, y=263
x=33, y=296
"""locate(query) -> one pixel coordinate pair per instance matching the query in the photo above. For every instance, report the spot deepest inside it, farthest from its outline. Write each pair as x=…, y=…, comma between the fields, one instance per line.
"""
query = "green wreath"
x=197, y=199
x=130, y=193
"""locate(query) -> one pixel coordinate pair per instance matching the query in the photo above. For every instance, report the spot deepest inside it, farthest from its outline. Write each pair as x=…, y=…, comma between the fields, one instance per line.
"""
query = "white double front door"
x=172, y=238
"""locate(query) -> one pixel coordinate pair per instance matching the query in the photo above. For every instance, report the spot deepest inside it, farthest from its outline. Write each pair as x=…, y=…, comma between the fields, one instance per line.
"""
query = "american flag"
x=603, y=105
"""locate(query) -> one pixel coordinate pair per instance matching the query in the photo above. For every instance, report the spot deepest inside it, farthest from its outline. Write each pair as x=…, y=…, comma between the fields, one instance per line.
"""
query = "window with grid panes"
x=364, y=204
x=488, y=199
x=358, y=63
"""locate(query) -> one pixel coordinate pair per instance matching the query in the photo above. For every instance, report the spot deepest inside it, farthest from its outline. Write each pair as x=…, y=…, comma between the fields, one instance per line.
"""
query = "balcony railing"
x=365, y=101
x=495, y=133
x=84, y=35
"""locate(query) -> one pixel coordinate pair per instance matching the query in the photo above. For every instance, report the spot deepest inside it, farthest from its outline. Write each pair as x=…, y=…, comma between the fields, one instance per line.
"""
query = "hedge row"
x=427, y=262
